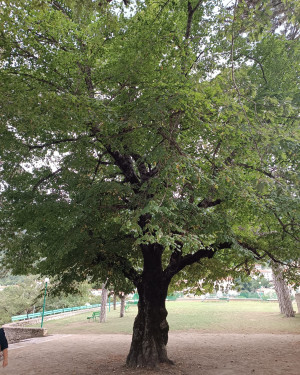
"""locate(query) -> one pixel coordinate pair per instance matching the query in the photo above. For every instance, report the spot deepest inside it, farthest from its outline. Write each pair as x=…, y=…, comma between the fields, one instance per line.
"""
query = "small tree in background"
x=282, y=291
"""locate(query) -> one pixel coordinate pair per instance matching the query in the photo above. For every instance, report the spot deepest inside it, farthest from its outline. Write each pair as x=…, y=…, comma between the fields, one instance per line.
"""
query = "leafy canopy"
x=158, y=122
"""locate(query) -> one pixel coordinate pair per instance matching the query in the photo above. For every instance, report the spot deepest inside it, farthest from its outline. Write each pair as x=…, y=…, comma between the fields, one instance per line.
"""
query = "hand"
x=5, y=358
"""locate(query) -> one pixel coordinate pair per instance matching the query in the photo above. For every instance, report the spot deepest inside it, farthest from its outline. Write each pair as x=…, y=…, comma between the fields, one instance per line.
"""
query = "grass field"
x=208, y=317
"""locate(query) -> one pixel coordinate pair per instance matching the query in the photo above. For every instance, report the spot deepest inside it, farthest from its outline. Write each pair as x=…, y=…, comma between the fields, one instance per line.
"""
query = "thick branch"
x=178, y=262
x=124, y=162
x=191, y=12
x=145, y=173
x=205, y=203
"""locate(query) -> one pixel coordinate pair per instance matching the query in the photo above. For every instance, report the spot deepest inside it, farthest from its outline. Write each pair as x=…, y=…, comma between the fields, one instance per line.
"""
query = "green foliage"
x=80, y=298
x=166, y=124
x=251, y=285
x=12, y=280
x=19, y=299
x=27, y=296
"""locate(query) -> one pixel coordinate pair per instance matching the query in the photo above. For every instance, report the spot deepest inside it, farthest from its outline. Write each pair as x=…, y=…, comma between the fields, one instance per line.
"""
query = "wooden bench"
x=96, y=314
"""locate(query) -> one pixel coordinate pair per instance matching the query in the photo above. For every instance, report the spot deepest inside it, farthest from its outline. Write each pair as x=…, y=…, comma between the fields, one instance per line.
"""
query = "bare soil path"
x=195, y=353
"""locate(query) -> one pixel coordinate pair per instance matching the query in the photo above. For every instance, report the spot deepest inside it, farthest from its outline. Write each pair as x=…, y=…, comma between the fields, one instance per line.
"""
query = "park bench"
x=220, y=299
x=130, y=303
x=171, y=297
x=96, y=314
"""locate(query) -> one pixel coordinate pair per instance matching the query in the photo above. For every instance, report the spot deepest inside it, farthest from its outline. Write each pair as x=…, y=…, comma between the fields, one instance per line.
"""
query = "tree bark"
x=297, y=297
x=122, y=309
x=150, y=330
x=103, y=304
x=282, y=291
x=115, y=301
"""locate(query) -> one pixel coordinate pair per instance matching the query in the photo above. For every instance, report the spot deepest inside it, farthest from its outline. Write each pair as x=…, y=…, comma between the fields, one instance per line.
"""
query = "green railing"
x=52, y=312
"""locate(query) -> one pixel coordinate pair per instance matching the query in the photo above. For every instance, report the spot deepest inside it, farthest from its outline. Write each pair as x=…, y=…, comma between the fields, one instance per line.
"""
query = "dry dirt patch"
x=195, y=353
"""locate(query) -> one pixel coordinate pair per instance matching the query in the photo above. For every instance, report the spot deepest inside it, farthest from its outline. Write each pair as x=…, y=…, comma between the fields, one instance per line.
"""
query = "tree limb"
x=31, y=147
x=100, y=162
x=57, y=6
x=43, y=179
x=205, y=203
x=124, y=162
x=191, y=12
x=37, y=79
x=255, y=169
x=178, y=262
x=257, y=255
x=284, y=226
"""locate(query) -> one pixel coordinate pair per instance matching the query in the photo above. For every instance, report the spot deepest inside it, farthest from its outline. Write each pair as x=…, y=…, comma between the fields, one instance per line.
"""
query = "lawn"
x=208, y=317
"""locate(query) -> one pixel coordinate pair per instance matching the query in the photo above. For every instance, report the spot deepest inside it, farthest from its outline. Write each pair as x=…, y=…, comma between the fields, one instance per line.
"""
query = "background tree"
x=19, y=299
x=104, y=296
x=153, y=145
x=250, y=284
x=26, y=297
x=282, y=291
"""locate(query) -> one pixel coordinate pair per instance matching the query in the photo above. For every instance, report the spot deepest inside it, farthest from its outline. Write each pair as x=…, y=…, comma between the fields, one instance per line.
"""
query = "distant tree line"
x=26, y=296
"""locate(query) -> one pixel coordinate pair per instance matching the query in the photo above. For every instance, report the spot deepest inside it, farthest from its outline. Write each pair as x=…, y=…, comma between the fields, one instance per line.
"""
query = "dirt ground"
x=195, y=353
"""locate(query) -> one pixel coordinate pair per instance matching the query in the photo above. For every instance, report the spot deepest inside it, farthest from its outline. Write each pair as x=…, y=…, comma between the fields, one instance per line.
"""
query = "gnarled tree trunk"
x=282, y=291
x=150, y=330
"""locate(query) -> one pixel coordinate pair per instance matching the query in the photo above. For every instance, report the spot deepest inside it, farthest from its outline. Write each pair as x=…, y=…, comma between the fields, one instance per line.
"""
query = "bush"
x=246, y=294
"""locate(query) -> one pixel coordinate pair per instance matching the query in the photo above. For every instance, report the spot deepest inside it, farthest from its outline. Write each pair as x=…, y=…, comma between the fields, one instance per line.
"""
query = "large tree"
x=155, y=142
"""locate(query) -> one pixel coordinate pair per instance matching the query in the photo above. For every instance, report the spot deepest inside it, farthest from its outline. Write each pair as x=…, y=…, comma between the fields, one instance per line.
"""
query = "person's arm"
x=5, y=357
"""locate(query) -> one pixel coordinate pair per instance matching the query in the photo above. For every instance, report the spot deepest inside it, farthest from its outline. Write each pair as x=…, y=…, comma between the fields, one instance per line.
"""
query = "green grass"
x=209, y=317
x=231, y=317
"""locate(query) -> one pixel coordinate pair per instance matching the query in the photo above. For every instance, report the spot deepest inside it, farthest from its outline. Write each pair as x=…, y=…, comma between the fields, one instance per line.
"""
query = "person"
x=4, y=347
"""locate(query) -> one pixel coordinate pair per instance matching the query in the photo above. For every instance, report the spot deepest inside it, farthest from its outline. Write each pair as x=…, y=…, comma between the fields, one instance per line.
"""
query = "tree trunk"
x=115, y=301
x=297, y=297
x=103, y=304
x=282, y=291
x=150, y=330
x=122, y=309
